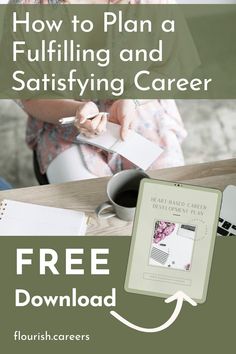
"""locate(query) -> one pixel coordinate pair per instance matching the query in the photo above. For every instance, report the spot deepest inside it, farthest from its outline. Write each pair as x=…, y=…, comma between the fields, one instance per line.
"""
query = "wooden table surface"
x=87, y=195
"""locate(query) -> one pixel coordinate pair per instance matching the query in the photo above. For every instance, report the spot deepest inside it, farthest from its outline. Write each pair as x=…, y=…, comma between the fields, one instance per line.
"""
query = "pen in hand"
x=71, y=120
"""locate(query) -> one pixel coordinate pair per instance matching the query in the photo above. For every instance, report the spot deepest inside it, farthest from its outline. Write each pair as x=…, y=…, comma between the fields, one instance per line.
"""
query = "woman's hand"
x=89, y=121
x=123, y=112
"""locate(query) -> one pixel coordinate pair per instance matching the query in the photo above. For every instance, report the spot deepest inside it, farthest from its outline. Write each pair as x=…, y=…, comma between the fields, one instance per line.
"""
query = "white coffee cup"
x=122, y=192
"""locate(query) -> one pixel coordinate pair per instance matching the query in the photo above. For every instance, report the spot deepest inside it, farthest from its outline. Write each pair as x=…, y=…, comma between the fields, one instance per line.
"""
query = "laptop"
x=227, y=220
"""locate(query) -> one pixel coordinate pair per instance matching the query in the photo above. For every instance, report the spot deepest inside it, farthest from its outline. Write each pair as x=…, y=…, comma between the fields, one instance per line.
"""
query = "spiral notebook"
x=24, y=219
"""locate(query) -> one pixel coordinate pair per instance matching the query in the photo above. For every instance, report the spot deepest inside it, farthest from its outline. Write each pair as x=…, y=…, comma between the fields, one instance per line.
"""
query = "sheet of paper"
x=105, y=140
x=137, y=149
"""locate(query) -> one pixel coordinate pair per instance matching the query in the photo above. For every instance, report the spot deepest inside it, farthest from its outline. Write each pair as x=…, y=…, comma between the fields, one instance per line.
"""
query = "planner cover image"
x=173, y=239
x=172, y=245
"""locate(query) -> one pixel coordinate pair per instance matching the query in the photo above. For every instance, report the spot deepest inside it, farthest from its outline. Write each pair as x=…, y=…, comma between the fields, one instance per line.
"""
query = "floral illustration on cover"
x=162, y=230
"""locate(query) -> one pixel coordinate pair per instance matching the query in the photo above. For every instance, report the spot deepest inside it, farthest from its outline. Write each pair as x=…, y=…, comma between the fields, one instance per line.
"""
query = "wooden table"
x=87, y=195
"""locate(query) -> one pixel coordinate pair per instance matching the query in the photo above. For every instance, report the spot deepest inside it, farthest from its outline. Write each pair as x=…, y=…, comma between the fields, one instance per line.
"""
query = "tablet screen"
x=173, y=239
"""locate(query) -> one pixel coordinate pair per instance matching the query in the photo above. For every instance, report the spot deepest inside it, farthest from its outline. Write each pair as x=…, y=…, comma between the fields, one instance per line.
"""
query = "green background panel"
x=208, y=327
x=205, y=32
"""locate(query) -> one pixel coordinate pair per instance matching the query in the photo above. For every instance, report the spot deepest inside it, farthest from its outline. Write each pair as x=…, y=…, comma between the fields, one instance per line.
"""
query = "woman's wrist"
x=51, y=110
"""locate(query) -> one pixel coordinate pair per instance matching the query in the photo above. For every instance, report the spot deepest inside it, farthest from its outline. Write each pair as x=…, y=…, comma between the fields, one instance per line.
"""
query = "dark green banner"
x=111, y=51
x=35, y=327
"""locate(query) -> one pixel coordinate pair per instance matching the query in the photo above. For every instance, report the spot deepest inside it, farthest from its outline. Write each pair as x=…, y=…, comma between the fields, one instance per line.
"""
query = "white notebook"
x=137, y=149
x=24, y=219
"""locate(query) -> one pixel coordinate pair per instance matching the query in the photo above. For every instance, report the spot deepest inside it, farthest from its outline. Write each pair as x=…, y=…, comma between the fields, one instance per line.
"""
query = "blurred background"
x=211, y=126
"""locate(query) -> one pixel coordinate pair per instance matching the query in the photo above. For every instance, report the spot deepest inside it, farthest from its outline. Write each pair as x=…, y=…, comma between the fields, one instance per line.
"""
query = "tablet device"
x=173, y=239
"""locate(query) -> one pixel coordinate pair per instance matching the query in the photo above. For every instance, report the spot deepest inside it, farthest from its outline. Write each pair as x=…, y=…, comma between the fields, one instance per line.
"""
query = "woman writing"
x=63, y=159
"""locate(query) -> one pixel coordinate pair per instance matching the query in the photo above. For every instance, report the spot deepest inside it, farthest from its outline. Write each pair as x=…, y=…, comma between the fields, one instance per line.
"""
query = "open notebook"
x=23, y=219
x=137, y=149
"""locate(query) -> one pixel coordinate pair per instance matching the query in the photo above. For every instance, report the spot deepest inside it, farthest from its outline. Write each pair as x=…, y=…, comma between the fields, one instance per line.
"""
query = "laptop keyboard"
x=225, y=228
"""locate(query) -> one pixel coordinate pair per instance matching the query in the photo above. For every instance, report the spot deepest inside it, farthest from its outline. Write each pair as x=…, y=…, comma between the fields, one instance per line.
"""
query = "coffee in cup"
x=122, y=192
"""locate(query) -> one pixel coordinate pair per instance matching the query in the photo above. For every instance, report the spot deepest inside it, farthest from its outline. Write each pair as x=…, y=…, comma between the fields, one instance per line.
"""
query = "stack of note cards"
x=23, y=219
x=137, y=149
